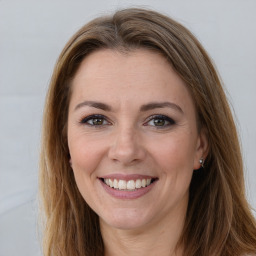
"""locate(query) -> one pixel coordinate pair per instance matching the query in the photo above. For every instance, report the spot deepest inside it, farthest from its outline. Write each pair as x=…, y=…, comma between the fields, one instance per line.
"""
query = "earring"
x=201, y=161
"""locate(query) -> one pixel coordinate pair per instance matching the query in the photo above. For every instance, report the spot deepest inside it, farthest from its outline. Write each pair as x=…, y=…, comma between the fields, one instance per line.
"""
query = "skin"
x=127, y=141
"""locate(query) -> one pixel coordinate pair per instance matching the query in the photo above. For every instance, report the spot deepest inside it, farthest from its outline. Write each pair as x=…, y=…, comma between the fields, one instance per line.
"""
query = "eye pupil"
x=97, y=121
x=159, y=122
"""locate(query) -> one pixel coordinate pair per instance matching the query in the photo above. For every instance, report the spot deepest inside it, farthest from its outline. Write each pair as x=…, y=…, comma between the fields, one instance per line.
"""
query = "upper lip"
x=127, y=177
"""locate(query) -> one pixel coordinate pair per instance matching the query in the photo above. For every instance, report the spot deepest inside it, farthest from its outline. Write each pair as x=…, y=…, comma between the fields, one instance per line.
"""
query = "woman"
x=136, y=155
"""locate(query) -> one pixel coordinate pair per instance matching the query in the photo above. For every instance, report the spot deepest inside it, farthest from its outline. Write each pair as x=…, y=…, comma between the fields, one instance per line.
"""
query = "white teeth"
x=115, y=183
x=138, y=184
x=127, y=185
x=143, y=183
x=122, y=184
x=110, y=182
x=130, y=185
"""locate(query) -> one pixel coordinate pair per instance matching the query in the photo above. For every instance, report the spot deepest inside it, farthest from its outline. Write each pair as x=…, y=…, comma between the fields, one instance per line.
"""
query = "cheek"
x=175, y=158
x=175, y=153
x=85, y=154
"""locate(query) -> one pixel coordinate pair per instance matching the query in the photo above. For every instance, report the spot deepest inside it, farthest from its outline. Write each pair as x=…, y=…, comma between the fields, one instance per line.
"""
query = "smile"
x=129, y=185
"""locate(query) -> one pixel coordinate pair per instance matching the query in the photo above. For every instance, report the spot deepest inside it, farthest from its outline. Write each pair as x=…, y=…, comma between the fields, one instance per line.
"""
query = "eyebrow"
x=143, y=108
x=154, y=105
x=94, y=104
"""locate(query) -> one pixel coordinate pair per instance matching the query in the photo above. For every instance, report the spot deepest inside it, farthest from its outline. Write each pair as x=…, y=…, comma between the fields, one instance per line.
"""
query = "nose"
x=127, y=147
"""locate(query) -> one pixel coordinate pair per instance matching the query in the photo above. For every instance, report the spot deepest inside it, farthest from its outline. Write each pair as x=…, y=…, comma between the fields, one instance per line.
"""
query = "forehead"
x=137, y=75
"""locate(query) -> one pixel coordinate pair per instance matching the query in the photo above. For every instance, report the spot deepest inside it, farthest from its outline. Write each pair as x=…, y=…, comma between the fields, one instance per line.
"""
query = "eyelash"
x=87, y=120
x=167, y=121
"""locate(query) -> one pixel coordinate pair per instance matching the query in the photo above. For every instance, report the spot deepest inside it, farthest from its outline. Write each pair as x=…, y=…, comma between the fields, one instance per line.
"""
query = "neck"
x=159, y=239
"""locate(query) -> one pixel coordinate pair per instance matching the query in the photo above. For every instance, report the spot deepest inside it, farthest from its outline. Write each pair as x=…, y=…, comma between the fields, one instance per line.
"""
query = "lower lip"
x=124, y=194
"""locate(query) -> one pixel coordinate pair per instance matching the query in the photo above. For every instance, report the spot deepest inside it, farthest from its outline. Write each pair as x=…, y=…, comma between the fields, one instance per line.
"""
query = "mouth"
x=128, y=185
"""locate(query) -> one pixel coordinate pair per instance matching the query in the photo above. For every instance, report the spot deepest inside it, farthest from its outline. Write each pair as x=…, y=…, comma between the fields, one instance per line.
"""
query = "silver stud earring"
x=201, y=161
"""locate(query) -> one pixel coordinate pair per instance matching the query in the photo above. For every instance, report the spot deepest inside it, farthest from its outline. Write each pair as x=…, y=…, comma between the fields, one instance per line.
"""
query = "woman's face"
x=133, y=138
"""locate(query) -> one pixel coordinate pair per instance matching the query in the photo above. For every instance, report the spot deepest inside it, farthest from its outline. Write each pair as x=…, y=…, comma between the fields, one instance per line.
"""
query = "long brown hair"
x=219, y=220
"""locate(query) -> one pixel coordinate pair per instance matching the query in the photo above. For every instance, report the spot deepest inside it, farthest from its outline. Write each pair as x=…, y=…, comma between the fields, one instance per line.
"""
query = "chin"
x=126, y=219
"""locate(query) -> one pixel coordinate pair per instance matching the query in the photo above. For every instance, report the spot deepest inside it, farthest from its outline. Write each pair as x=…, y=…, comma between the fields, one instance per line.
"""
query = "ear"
x=202, y=148
x=70, y=162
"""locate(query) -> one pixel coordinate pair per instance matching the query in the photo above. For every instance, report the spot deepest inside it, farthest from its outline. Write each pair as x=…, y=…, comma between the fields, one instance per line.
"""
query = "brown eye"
x=160, y=121
x=95, y=120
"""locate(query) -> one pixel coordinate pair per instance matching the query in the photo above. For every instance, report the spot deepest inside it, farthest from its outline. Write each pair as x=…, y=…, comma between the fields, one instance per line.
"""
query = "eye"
x=160, y=121
x=95, y=120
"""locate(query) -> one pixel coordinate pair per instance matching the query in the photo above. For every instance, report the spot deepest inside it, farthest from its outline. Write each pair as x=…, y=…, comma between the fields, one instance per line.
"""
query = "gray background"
x=32, y=34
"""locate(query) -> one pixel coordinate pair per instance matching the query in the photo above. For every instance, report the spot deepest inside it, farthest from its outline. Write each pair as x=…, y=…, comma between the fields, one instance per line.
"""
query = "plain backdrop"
x=32, y=34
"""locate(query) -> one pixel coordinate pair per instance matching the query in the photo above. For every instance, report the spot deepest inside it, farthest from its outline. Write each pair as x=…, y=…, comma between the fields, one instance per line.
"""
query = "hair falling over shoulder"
x=219, y=220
